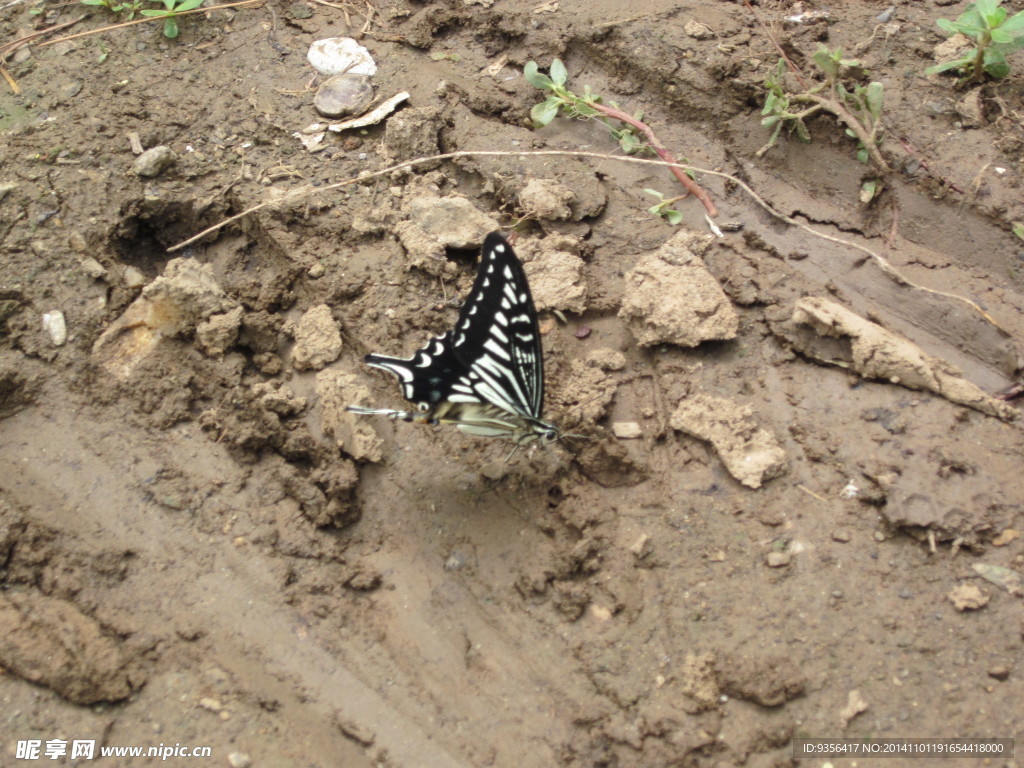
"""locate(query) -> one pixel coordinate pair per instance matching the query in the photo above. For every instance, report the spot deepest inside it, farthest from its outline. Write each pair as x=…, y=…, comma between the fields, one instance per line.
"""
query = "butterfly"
x=485, y=375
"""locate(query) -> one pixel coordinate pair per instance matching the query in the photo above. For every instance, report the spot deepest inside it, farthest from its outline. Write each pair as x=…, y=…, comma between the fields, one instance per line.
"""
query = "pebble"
x=335, y=55
x=316, y=271
x=154, y=161
x=239, y=760
x=778, y=559
x=999, y=672
x=93, y=268
x=133, y=278
x=53, y=324
x=342, y=95
x=627, y=430
x=841, y=536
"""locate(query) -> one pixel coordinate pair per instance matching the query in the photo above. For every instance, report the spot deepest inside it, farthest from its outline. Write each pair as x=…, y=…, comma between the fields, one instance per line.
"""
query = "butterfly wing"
x=486, y=375
x=497, y=337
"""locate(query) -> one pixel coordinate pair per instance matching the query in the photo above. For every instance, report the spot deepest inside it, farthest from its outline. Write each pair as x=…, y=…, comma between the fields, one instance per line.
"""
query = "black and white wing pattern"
x=485, y=375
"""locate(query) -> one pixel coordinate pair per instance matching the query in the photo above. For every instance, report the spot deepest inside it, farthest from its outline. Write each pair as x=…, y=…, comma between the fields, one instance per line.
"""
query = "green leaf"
x=862, y=155
x=535, y=78
x=1014, y=23
x=154, y=13
x=655, y=210
x=559, y=74
x=802, y=133
x=584, y=110
x=984, y=8
x=948, y=65
x=1018, y=229
x=654, y=192
x=874, y=95
x=170, y=27
x=188, y=5
x=947, y=26
x=545, y=112
x=629, y=143
x=999, y=36
x=770, y=120
x=769, y=104
x=826, y=62
x=673, y=216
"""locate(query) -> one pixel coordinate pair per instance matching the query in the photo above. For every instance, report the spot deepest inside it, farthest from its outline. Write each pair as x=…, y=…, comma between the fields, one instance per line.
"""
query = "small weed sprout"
x=664, y=207
x=171, y=10
x=634, y=136
x=858, y=107
x=994, y=35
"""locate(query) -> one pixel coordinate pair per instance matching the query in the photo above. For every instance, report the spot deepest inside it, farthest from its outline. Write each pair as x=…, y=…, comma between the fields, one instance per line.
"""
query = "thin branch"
x=149, y=18
x=691, y=185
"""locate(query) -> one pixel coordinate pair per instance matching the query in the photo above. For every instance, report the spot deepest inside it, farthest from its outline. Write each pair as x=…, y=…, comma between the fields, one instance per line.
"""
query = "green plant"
x=857, y=106
x=994, y=34
x=172, y=8
x=664, y=207
x=630, y=131
x=128, y=9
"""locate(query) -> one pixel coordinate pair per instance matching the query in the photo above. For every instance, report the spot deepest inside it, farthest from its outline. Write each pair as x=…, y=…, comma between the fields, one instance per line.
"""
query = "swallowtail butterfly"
x=486, y=375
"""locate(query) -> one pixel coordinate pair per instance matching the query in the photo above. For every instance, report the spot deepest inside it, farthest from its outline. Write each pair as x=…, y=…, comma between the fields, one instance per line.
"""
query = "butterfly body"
x=485, y=375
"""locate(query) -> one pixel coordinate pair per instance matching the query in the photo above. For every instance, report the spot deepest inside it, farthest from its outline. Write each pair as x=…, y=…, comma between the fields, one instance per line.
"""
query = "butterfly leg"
x=390, y=413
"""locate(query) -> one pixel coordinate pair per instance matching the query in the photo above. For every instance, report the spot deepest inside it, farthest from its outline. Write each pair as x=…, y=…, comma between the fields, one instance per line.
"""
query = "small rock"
x=317, y=340
x=212, y=705
x=77, y=242
x=627, y=430
x=8, y=186
x=606, y=359
x=999, y=672
x=93, y=268
x=972, y=114
x=642, y=546
x=778, y=559
x=967, y=597
x=316, y=271
x=750, y=453
x=1005, y=537
x=546, y=199
x=438, y=223
x=342, y=95
x=338, y=55
x=50, y=642
x=219, y=332
x=53, y=324
x=133, y=278
x=300, y=11
x=855, y=704
x=355, y=436
x=697, y=30
x=841, y=536
x=154, y=161
x=556, y=278
x=671, y=297
x=356, y=732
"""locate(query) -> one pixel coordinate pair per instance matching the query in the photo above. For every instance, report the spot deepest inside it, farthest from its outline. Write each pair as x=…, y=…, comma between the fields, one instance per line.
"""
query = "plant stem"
x=692, y=186
x=867, y=138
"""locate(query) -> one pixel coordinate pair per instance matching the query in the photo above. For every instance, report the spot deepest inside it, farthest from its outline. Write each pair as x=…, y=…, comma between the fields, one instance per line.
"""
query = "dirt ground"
x=198, y=547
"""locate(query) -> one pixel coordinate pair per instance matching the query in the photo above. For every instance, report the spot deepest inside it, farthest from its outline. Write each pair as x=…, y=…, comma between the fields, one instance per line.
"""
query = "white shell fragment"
x=372, y=117
x=53, y=324
x=337, y=55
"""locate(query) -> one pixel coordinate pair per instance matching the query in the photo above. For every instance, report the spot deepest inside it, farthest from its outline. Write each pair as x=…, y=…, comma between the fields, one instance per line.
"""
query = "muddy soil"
x=796, y=508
